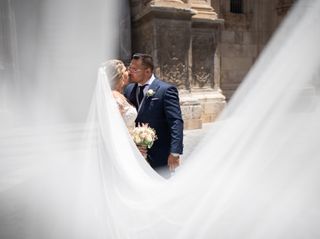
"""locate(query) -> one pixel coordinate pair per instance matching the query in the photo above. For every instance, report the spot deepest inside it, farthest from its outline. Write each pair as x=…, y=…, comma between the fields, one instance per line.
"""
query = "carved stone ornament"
x=202, y=77
x=203, y=49
x=173, y=53
x=175, y=73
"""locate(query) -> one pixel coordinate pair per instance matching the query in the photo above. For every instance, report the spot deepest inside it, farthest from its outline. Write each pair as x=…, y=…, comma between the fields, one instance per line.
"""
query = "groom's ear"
x=148, y=71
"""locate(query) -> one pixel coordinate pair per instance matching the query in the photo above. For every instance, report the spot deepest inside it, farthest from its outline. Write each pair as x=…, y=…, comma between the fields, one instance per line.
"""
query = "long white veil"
x=67, y=174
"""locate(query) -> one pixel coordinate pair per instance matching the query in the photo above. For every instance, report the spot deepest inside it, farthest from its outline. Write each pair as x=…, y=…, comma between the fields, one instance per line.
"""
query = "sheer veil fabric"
x=255, y=174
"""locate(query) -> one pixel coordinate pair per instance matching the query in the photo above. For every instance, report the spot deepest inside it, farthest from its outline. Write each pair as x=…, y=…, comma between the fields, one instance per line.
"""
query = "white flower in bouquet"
x=144, y=136
x=137, y=139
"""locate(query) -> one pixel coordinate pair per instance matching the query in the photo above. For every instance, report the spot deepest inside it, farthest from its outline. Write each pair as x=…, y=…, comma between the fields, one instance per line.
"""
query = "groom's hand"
x=173, y=162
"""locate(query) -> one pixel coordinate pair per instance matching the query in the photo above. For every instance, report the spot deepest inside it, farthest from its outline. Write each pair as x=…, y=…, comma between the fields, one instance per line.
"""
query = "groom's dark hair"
x=146, y=60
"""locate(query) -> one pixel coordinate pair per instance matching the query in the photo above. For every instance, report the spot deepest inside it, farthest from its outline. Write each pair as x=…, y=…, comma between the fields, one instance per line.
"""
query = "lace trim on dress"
x=128, y=112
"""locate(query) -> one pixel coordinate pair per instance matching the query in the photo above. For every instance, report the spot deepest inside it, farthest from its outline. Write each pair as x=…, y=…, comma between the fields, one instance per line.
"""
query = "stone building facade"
x=204, y=47
x=248, y=26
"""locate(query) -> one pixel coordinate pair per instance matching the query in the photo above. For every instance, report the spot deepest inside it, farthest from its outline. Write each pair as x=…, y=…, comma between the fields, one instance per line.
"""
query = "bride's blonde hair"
x=114, y=71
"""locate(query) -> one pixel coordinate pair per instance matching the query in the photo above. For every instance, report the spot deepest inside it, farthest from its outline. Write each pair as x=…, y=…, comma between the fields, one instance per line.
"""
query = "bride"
x=118, y=76
x=115, y=72
x=90, y=181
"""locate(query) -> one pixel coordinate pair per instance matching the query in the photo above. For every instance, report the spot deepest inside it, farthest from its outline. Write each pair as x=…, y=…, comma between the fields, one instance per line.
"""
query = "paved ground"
x=192, y=138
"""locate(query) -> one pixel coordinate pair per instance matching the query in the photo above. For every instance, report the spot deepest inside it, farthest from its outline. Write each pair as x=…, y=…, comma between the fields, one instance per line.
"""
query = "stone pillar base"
x=212, y=103
x=201, y=107
x=191, y=112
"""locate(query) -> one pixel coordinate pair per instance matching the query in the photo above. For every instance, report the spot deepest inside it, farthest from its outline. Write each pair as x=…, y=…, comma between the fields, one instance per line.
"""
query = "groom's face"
x=137, y=72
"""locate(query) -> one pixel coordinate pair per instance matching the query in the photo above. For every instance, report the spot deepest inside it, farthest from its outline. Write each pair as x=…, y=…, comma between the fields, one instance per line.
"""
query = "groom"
x=157, y=103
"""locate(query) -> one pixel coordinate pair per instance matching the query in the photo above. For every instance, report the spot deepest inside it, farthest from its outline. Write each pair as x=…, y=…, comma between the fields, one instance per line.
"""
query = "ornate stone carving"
x=173, y=54
x=202, y=78
x=203, y=49
x=184, y=51
x=173, y=73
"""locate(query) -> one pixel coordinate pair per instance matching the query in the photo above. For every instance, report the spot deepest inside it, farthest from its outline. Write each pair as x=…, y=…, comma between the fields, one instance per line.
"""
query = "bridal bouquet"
x=143, y=136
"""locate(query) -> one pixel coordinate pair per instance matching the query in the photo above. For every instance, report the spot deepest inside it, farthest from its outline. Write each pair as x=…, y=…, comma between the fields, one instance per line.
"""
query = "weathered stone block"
x=227, y=37
x=193, y=124
x=240, y=63
x=191, y=112
x=237, y=50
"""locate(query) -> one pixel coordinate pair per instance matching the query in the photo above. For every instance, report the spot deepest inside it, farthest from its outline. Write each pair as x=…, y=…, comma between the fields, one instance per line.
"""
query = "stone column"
x=182, y=36
x=163, y=29
x=204, y=9
x=205, y=85
x=124, y=40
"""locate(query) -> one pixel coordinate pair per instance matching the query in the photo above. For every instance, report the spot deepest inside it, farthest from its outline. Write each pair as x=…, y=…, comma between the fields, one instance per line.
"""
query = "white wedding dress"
x=254, y=175
x=130, y=113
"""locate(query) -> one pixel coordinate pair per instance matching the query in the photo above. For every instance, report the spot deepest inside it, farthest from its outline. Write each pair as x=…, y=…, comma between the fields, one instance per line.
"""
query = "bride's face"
x=123, y=80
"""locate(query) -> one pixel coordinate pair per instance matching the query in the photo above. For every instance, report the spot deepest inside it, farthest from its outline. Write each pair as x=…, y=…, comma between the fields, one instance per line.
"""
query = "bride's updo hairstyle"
x=114, y=71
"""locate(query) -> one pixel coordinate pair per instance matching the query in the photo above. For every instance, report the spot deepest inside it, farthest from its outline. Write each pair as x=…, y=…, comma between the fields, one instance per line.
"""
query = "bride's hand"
x=143, y=151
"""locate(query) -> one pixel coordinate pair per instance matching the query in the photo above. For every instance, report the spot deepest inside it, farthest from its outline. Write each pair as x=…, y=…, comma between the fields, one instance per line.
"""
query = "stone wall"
x=183, y=37
x=245, y=35
x=204, y=47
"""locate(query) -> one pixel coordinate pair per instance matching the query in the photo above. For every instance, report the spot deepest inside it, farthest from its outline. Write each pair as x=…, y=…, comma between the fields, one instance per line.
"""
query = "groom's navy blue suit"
x=162, y=112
